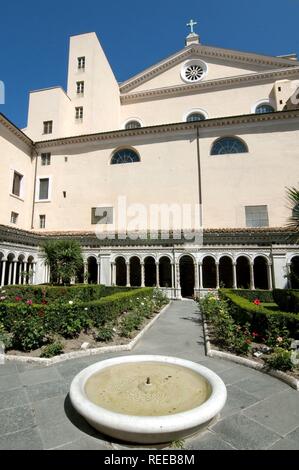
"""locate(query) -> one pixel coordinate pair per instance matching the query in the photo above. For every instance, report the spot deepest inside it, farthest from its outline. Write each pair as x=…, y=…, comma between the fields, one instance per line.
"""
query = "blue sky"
x=134, y=34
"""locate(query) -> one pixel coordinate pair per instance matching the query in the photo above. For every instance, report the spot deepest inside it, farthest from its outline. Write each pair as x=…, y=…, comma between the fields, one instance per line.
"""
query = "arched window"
x=124, y=156
x=227, y=145
x=264, y=108
x=195, y=117
x=132, y=125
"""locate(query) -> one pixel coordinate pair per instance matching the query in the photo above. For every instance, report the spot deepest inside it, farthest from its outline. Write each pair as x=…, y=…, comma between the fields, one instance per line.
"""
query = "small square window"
x=17, y=184
x=14, y=218
x=279, y=88
x=43, y=189
x=256, y=216
x=79, y=112
x=80, y=88
x=81, y=63
x=48, y=127
x=46, y=159
x=42, y=221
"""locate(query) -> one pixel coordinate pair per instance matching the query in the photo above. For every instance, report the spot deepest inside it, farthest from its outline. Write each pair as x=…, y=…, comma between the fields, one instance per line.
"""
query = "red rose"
x=18, y=298
x=257, y=302
x=29, y=302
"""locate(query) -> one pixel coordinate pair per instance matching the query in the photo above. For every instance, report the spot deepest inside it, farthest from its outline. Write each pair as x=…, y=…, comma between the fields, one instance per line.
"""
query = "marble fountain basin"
x=148, y=399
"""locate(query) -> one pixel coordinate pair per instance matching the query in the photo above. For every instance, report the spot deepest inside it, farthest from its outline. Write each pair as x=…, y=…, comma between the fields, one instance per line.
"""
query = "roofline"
x=153, y=70
x=16, y=130
x=163, y=128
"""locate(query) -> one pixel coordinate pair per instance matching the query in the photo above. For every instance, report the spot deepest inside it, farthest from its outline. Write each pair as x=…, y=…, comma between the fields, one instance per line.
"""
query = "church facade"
x=176, y=177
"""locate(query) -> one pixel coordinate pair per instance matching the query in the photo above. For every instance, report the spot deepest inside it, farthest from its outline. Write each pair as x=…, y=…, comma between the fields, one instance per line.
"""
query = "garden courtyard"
x=261, y=411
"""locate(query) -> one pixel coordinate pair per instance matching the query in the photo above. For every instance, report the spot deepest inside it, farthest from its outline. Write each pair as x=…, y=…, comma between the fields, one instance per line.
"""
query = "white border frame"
x=195, y=61
x=42, y=177
x=264, y=101
x=195, y=110
x=132, y=119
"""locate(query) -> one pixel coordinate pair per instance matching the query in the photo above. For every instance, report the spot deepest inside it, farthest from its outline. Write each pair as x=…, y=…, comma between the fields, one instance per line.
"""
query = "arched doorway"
x=187, y=278
x=121, y=271
x=260, y=270
x=243, y=272
x=226, y=272
x=209, y=276
x=294, y=270
x=150, y=278
x=165, y=272
x=92, y=266
x=135, y=272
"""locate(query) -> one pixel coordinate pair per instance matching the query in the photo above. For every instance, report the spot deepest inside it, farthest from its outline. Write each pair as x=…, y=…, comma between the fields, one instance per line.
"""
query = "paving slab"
x=244, y=433
x=28, y=439
x=208, y=441
x=15, y=419
x=279, y=412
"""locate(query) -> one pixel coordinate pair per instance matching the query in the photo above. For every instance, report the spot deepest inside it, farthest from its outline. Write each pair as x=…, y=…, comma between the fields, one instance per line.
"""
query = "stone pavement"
x=35, y=411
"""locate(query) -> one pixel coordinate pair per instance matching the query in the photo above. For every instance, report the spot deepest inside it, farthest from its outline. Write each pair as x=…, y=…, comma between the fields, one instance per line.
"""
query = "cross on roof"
x=191, y=24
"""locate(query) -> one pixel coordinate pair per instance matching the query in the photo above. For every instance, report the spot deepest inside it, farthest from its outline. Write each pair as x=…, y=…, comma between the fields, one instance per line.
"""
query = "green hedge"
x=80, y=292
x=243, y=310
x=287, y=299
x=32, y=325
x=262, y=295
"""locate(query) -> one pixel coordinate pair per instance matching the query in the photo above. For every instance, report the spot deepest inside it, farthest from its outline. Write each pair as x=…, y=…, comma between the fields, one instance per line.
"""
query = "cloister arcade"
x=180, y=273
x=17, y=268
x=185, y=272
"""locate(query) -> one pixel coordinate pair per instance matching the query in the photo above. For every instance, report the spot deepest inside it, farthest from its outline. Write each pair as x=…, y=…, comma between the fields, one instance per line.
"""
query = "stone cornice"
x=170, y=128
x=210, y=85
x=15, y=130
x=204, y=52
x=211, y=237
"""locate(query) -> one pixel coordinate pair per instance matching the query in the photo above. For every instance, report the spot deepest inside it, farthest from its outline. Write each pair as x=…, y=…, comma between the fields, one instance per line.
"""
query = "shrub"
x=5, y=337
x=287, y=299
x=262, y=295
x=280, y=359
x=28, y=333
x=48, y=294
x=53, y=349
x=104, y=333
x=130, y=323
x=30, y=324
x=277, y=334
x=244, y=311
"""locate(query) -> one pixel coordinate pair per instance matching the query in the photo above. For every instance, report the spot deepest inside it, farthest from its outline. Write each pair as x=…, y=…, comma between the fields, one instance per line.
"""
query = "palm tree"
x=64, y=257
x=293, y=197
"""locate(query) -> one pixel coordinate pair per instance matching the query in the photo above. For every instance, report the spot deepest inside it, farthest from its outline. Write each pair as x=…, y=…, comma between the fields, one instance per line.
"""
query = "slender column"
x=269, y=275
x=142, y=274
x=85, y=272
x=33, y=279
x=25, y=272
x=112, y=271
x=128, y=274
x=196, y=272
x=217, y=275
x=234, y=275
x=251, y=276
x=172, y=274
x=3, y=272
x=157, y=274
x=9, y=273
x=289, y=276
x=20, y=273
x=177, y=272
x=98, y=272
x=200, y=276
x=14, y=276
